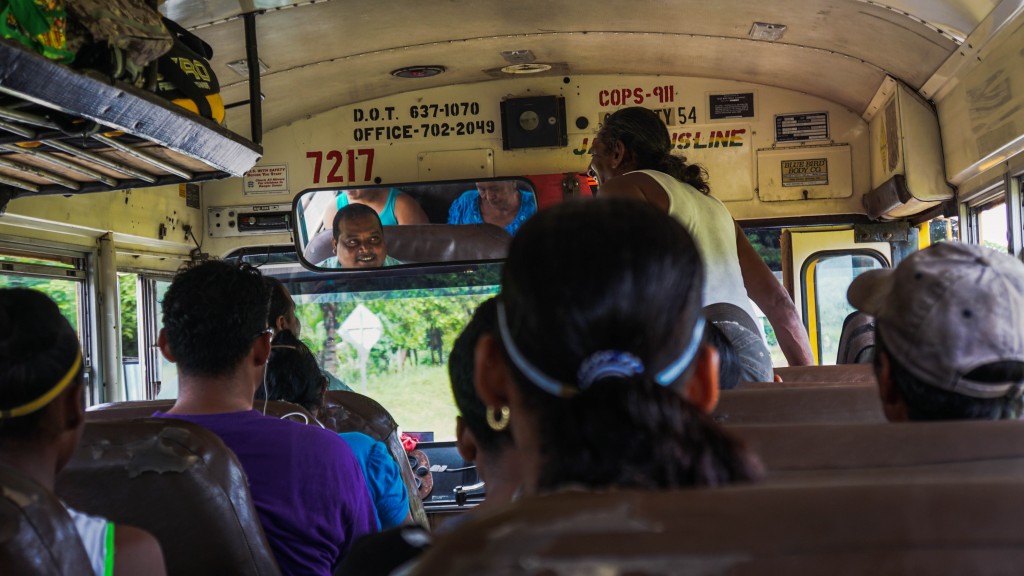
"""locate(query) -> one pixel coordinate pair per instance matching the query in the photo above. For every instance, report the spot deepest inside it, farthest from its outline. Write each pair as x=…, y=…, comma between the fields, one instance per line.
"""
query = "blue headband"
x=599, y=364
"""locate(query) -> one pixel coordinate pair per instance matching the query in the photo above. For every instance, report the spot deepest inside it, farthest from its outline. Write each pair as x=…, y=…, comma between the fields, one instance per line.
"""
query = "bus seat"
x=36, y=534
x=346, y=411
x=941, y=529
x=806, y=405
x=180, y=482
x=427, y=243
x=857, y=341
x=897, y=452
x=849, y=373
x=145, y=408
x=789, y=385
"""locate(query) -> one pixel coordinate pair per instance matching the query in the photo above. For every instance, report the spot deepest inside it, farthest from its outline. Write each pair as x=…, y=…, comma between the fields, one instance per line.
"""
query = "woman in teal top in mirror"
x=494, y=202
x=393, y=206
x=358, y=240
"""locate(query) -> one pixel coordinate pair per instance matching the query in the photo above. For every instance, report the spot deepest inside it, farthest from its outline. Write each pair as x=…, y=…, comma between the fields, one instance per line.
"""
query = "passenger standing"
x=42, y=413
x=631, y=158
x=949, y=333
x=306, y=484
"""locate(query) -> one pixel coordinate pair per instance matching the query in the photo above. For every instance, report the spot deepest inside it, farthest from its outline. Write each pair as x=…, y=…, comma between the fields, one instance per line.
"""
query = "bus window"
x=62, y=278
x=825, y=279
x=991, y=222
x=127, y=287
x=166, y=376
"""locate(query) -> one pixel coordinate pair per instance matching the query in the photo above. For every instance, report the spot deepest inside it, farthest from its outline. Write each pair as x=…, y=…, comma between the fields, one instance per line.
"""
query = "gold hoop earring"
x=498, y=424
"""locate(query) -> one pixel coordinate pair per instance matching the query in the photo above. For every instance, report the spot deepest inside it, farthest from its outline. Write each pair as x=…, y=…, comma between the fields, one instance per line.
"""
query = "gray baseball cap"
x=947, y=310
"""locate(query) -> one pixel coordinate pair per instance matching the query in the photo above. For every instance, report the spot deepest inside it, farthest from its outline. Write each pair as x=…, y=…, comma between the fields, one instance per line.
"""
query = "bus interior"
x=842, y=135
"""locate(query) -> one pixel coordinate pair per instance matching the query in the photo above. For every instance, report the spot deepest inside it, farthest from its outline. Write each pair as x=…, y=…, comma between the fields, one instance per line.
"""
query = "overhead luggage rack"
x=63, y=131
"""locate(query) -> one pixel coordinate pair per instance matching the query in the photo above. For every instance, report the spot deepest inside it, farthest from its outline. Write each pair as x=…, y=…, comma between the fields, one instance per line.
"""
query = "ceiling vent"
x=767, y=32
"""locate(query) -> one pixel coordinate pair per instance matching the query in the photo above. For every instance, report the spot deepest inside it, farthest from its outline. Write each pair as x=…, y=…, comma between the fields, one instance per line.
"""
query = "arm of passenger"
x=409, y=211
x=136, y=552
x=329, y=211
x=769, y=295
x=392, y=498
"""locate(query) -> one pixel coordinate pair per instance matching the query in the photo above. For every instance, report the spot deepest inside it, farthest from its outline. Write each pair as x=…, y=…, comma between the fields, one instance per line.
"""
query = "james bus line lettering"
x=636, y=96
x=696, y=140
x=713, y=139
x=335, y=160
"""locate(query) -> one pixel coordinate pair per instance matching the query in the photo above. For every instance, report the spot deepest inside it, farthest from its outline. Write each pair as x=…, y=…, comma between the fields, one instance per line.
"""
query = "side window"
x=991, y=222
x=825, y=278
x=63, y=279
x=163, y=376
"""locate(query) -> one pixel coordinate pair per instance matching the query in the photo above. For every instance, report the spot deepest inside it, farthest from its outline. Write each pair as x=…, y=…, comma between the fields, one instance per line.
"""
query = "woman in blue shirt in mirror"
x=494, y=202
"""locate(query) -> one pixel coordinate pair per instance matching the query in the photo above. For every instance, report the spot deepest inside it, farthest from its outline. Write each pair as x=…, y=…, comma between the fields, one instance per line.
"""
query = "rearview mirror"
x=406, y=225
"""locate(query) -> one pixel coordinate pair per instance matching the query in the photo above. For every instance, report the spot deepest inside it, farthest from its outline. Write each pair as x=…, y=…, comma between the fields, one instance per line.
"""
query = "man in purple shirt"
x=307, y=486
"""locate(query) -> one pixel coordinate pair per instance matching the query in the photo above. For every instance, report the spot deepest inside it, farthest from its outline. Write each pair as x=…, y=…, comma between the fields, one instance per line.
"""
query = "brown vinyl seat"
x=847, y=373
x=176, y=480
x=804, y=405
x=346, y=411
x=890, y=452
x=857, y=339
x=413, y=243
x=145, y=408
x=940, y=529
x=36, y=534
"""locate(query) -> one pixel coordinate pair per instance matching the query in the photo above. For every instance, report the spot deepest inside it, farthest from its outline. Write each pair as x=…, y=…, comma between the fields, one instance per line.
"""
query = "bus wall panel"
x=384, y=141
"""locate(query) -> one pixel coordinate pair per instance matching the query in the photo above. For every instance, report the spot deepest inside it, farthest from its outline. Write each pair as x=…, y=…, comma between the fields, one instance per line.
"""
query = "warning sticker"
x=265, y=179
x=813, y=172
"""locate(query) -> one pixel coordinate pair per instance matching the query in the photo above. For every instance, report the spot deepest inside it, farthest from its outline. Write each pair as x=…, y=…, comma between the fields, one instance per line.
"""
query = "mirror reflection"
x=432, y=223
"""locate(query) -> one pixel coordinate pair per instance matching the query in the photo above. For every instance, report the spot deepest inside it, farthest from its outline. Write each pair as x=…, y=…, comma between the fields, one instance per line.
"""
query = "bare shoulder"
x=636, y=185
x=631, y=185
x=136, y=551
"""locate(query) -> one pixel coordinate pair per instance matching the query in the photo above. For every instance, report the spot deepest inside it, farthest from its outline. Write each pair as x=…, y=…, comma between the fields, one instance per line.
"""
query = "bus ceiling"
x=344, y=52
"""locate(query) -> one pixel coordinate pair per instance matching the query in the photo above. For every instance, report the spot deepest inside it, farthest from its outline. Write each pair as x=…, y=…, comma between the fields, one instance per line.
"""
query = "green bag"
x=39, y=25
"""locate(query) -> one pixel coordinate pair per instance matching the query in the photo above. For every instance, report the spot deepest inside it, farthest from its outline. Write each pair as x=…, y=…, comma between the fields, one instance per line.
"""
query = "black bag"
x=185, y=76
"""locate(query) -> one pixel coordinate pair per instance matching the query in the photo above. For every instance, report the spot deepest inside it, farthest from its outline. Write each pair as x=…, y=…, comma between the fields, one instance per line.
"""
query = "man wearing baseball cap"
x=949, y=333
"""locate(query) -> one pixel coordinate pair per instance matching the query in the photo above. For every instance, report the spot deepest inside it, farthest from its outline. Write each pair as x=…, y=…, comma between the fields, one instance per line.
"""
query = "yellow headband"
x=45, y=399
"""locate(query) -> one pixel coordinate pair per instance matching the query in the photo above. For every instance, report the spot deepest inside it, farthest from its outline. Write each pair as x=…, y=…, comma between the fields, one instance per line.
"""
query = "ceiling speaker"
x=534, y=122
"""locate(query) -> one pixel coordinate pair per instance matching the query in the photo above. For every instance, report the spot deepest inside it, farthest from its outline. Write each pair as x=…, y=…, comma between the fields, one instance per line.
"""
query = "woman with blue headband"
x=42, y=412
x=599, y=368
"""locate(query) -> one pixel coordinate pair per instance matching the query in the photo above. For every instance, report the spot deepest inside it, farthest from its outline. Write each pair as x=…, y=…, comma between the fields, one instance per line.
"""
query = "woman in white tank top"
x=631, y=158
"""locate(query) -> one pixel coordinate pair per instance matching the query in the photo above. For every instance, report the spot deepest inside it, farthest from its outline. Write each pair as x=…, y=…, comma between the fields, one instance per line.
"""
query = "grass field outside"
x=418, y=397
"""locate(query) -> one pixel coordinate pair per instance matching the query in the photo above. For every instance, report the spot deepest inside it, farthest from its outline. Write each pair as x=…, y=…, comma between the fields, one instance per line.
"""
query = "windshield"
x=389, y=337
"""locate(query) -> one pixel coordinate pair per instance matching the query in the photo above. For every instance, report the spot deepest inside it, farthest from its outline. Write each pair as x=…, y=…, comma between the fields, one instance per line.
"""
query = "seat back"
x=415, y=243
x=888, y=452
x=36, y=534
x=938, y=529
x=848, y=373
x=857, y=340
x=180, y=482
x=145, y=408
x=346, y=411
x=810, y=405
